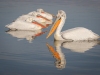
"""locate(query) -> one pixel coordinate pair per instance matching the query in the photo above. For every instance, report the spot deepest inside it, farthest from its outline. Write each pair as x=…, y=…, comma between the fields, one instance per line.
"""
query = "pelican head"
x=29, y=19
x=61, y=13
x=40, y=10
x=34, y=13
x=60, y=17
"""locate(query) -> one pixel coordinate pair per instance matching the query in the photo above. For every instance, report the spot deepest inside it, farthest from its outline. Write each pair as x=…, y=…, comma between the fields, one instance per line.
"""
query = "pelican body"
x=29, y=18
x=23, y=25
x=74, y=34
x=26, y=22
x=32, y=21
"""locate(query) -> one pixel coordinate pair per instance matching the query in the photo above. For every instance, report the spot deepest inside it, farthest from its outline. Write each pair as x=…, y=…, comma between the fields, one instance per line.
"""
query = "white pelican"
x=31, y=21
x=27, y=22
x=45, y=14
x=74, y=34
x=25, y=25
x=35, y=17
x=28, y=35
x=31, y=18
x=47, y=17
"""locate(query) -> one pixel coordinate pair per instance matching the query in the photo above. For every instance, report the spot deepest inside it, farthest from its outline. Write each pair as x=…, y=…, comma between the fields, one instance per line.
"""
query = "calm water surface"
x=25, y=56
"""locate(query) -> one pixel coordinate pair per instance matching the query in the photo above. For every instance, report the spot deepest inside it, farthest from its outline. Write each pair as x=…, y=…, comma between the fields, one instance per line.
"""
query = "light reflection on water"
x=24, y=58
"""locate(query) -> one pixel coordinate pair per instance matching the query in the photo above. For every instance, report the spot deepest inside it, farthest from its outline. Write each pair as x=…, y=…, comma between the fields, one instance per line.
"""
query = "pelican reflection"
x=58, y=55
x=80, y=47
x=29, y=35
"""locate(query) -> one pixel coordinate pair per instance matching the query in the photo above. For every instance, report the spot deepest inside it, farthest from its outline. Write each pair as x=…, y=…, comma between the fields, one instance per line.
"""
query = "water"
x=22, y=57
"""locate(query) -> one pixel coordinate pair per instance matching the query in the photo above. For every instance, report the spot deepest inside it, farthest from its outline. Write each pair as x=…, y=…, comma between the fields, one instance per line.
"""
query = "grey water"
x=22, y=56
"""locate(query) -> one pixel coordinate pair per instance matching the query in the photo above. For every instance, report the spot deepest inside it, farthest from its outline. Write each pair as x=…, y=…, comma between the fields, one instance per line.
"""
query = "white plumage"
x=22, y=25
x=45, y=14
x=29, y=18
x=32, y=21
x=74, y=34
x=41, y=12
x=79, y=33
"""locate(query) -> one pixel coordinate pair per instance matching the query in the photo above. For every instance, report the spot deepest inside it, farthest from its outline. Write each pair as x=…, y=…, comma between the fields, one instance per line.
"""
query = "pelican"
x=28, y=35
x=35, y=17
x=74, y=34
x=24, y=20
x=47, y=17
x=25, y=25
x=45, y=14
x=31, y=21
x=27, y=22
x=31, y=18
